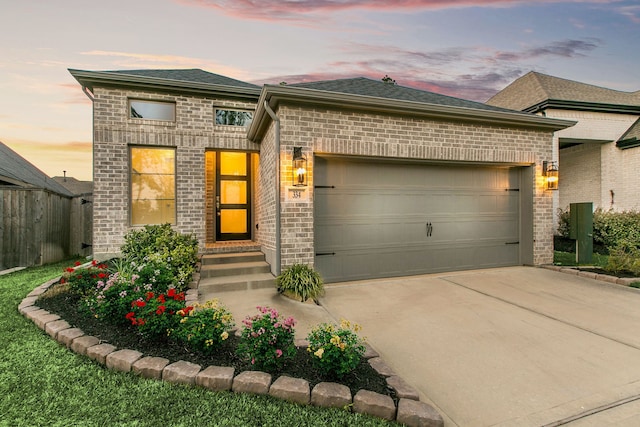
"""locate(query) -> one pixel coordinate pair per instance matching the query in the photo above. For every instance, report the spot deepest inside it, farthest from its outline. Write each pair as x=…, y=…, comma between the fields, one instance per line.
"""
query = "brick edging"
x=574, y=271
x=409, y=410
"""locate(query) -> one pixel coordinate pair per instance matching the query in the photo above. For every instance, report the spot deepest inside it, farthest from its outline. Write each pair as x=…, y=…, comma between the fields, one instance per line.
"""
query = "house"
x=599, y=157
x=35, y=226
x=359, y=178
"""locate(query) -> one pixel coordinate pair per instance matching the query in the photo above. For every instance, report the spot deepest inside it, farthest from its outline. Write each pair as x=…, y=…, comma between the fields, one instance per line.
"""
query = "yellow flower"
x=342, y=346
x=208, y=343
x=183, y=320
x=309, y=349
x=319, y=353
x=224, y=335
x=335, y=340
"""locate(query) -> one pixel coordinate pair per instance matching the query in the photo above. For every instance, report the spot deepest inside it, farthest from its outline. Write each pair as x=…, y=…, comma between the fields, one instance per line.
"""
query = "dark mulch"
x=66, y=306
x=623, y=273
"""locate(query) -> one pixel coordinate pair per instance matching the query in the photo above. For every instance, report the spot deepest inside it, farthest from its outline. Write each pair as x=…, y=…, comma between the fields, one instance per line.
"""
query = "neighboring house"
x=35, y=227
x=599, y=157
x=356, y=177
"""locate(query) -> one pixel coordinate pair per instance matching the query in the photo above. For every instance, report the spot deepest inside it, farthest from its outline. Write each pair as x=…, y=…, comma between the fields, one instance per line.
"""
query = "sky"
x=464, y=48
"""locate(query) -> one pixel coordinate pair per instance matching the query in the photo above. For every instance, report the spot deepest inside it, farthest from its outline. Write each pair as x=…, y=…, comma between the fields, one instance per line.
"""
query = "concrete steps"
x=233, y=272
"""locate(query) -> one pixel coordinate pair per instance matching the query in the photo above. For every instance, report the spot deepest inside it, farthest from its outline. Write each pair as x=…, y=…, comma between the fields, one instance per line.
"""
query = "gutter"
x=276, y=120
x=88, y=93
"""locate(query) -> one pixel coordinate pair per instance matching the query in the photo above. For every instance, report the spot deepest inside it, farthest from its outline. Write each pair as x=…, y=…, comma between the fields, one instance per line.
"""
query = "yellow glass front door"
x=232, y=196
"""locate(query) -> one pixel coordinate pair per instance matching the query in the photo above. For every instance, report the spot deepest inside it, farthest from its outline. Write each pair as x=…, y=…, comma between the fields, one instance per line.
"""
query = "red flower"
x=102, y=266
x=131, y=316
x=94, y=262
x=150, y=296
x=102, y=275
x=179, y=297
x=171, y=293
x=63, y=281
x=77, y=263
x=161, y=298
x=160, y=310
x=138, y=303
x=79, y=276
x=70, y=269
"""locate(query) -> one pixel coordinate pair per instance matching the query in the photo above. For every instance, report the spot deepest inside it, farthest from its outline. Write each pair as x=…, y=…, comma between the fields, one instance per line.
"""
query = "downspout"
x=88, y=93
x=276, y=120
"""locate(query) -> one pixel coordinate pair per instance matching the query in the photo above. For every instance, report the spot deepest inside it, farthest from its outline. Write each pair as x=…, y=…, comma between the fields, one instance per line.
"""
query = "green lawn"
x=44, y=384
x=569, y=259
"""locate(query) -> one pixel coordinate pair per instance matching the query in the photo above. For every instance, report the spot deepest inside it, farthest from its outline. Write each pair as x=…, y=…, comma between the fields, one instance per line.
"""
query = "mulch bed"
x=65, y=305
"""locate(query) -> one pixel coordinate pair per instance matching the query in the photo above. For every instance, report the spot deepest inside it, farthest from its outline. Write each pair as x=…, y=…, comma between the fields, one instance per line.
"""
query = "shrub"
x=301, y=281
x=335, y=350
x=625, y=256
x=203, y=327
x=161, y=244
x=267, y=341
x=82, y=281
x=156, y=314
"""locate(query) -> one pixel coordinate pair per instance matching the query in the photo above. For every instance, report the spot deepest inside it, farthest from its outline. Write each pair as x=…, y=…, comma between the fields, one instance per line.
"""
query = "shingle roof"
x=194, y=75
x=18, y=171
x=535, y=88
x=380, y=89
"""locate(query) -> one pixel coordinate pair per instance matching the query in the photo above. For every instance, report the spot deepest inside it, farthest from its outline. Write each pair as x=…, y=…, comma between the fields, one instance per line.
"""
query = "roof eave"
x=583, y=106
x=278, y=94
x=99, y=78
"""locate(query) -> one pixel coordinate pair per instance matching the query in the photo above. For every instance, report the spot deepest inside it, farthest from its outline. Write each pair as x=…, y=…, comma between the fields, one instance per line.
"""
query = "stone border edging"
x=574, y=271
x=409, y=411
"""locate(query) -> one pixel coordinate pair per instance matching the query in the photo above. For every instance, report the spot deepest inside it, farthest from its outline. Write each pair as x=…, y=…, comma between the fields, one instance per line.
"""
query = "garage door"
x=396, y=219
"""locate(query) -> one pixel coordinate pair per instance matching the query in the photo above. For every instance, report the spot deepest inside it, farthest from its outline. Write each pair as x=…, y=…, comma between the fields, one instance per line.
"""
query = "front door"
x=233, y=201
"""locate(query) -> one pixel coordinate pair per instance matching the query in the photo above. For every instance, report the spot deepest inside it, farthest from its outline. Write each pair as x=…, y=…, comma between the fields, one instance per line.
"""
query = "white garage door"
x=396, y=219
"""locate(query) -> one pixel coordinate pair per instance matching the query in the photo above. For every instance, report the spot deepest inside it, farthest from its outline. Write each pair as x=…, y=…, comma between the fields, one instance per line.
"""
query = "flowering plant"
x=335, y=350
x=155, y=315
x=267, y=341
x=82, y=280
x=203, y=327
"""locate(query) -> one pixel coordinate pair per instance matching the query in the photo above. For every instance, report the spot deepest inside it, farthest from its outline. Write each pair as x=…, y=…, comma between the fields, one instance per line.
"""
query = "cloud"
x=297, y=10
x=132, y=60
x=74, y=94
x=631, y=12
x=472, y=72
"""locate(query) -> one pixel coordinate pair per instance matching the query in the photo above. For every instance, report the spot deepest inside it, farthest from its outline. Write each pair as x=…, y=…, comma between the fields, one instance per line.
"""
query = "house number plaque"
x=297, y=194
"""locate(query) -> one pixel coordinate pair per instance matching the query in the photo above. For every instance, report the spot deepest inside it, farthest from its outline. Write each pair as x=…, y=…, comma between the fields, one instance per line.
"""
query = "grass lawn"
x=44, y=384
x=569, y=259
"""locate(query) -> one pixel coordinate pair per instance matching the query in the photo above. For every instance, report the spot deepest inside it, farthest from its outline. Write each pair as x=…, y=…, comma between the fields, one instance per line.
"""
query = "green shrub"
x=609, y=227
x=267, y=341
x=204, y=327
x=625, y=256
x=156, y=314
x=161, y=244
x=301, y=281
x=335, y=350
x=83, y=280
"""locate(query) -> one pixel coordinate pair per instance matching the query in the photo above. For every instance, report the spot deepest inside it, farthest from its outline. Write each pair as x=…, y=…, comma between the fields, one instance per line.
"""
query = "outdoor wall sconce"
x=299, y=168
x=550, y=172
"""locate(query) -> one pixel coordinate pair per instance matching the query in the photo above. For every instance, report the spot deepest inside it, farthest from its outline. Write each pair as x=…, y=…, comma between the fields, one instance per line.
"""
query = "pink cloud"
x=278, y=10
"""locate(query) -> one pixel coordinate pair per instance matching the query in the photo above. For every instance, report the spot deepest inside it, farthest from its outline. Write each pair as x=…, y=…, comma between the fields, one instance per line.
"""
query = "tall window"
x=233, y=117
x=152, y=110
x=153, y=185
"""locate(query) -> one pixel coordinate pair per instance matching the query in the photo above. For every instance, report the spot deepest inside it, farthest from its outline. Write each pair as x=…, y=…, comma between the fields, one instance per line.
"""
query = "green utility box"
x=581, y=230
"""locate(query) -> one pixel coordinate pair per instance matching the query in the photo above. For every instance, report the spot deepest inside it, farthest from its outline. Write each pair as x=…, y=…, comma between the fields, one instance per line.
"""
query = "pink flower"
x=278, y=353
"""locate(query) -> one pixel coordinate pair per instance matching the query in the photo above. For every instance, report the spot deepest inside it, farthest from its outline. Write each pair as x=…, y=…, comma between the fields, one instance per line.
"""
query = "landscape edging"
x=426, y=414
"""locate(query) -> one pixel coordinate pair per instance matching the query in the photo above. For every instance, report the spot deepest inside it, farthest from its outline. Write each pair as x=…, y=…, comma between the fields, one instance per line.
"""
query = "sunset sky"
x=464, y=48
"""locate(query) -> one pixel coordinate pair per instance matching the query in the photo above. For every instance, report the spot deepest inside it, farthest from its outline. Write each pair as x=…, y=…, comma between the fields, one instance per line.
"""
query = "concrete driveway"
x=517, y=346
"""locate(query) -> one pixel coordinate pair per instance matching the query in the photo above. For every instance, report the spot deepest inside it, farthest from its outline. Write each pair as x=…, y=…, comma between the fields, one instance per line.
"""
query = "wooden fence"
x=39, y=227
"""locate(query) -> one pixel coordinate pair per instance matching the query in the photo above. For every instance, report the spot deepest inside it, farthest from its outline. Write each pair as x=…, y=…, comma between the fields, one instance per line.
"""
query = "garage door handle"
x=511, y=243
x=325, y=253
x=429, y=229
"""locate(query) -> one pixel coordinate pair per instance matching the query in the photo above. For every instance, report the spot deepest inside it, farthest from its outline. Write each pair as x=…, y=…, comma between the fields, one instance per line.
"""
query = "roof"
x=76, y=187
x=182, y=80
x=377, y=96
x=377, y=88
x=16, y=171
x=631, y=137
x=536, y=91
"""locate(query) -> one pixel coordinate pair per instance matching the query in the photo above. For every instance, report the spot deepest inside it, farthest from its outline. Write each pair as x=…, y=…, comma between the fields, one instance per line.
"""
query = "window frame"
x=175, y=183
x=234, y=109
x=151, y=101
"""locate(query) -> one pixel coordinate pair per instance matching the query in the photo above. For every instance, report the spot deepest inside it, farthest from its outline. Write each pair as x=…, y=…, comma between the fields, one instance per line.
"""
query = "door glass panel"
x=233, y=192
x=233, y=220
x=233, y=164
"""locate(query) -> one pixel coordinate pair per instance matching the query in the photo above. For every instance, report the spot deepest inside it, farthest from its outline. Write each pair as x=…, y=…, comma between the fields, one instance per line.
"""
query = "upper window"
x=152, y=110
x=153, y=185
x=233, y=117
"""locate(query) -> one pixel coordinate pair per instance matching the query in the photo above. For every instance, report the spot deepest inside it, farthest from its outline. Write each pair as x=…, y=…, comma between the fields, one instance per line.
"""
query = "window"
x=152, y=110
x=153, y=179
x=233, y=117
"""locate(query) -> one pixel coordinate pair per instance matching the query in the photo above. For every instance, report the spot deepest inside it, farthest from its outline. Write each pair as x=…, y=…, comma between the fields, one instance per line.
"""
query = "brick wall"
x=580, y=175
x=363, y=134
x=193, y=132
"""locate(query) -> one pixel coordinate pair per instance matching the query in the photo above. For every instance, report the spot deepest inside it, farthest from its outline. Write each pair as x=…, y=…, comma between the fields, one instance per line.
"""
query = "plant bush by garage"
x=609, y=228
